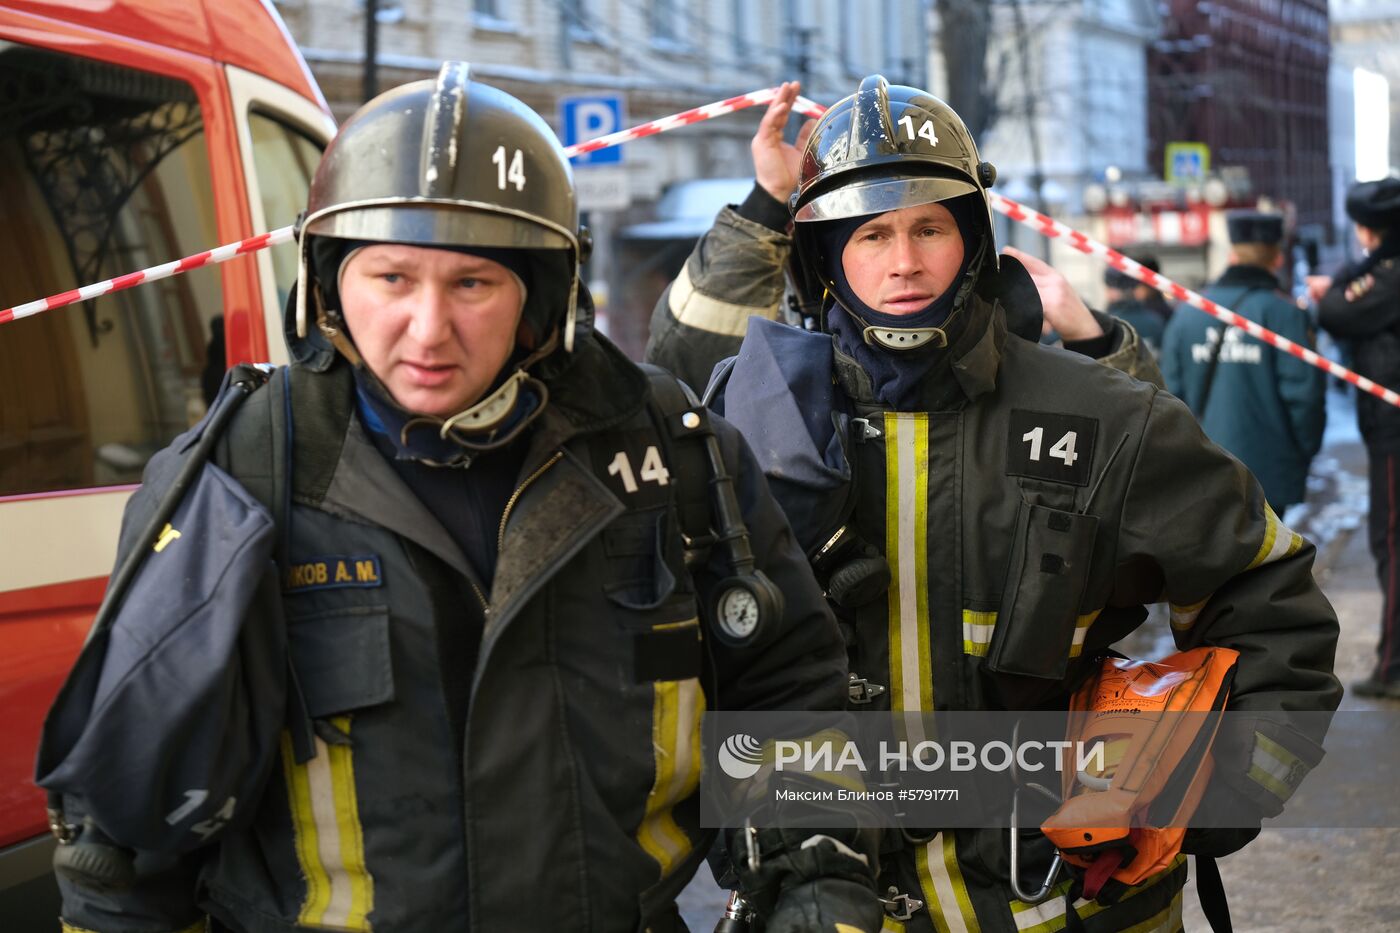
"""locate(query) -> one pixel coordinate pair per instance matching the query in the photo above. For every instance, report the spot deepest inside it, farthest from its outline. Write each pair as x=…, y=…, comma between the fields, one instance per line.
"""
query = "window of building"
x=103, y=170
x=747, y=40
x=492, y=14
x=284, y=159
x=859, y=40
x=575, y=14
x=663, y=17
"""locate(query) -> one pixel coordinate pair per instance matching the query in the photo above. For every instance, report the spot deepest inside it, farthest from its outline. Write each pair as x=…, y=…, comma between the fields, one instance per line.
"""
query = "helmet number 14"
x=1063, y=449
x=514, y=174
x=926, y=130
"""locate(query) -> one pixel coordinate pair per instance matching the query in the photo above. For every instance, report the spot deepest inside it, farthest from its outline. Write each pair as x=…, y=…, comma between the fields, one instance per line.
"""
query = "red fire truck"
x=132, y=132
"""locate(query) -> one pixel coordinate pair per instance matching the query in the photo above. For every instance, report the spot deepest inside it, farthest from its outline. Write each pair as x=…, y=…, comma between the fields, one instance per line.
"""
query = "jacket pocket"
x=638, y=575
x=1038, y=615
x=342, y=659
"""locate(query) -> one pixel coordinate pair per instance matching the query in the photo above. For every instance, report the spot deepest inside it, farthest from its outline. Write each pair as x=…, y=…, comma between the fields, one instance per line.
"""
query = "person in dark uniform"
x=918, y=429
x=1266, y=407
x=1124, y=304
x=490, y=610
x=1149, y=297
x=1361, y=305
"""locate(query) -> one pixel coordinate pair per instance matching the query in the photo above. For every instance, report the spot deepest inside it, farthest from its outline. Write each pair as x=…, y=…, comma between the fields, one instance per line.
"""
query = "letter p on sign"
x=587, y=117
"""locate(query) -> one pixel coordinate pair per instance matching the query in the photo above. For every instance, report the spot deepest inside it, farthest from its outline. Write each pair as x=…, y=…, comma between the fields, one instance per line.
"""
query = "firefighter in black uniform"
x=1025, y=501
x=488, y=605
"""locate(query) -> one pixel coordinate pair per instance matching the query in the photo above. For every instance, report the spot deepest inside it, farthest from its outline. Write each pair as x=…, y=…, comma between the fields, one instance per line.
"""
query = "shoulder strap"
x=260, y=451
x=684, y=425
x=1214, y=362
x=255, y=452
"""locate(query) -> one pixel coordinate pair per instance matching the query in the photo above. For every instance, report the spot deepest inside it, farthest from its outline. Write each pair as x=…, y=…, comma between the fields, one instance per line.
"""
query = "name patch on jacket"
x=328, y=573
x=1048, y=445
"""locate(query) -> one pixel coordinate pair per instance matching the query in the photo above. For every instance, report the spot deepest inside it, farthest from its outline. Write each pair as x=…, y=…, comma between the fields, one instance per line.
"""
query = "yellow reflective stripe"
x=977, y=632
x=672, y=626
x=891, y=925
x=318, y=885
x=677, y=708
x=906, y=547
x=694, y=308
x=942, y=888
x=1046, y=916
x=359, y=884
x=1081, y=629
x=1279, y=542
x=1168, y=921
x=1049, y=915
x=850, y=777
x=1274, y=767
x=329, y=837
x=950, y=863
x=1183, y=617
x=978, y=628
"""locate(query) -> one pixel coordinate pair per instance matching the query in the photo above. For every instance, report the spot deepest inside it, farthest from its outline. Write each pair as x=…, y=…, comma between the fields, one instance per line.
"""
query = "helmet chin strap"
x=903, y=338
x=486, y=425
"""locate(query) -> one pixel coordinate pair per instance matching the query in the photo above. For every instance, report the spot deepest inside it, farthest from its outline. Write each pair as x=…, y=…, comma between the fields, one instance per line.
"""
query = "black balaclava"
x=377, y=408
x=894, y=374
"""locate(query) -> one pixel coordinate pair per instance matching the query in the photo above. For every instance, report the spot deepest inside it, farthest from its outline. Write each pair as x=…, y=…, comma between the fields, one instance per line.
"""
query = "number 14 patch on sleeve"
x=1047, y=445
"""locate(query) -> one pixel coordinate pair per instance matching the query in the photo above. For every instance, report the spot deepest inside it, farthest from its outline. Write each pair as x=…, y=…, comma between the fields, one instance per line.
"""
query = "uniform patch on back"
x=328, y=573
x=1051, y=446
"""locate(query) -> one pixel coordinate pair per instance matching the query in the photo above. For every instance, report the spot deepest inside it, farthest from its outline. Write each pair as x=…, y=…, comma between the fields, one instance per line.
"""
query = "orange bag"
x=1156, y=721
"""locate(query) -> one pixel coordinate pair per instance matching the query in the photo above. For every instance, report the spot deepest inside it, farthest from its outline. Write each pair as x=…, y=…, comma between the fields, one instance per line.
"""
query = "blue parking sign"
x=587, y=117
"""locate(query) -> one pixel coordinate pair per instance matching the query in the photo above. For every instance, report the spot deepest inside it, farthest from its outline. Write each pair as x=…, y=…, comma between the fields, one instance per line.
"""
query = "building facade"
x=1249, y=78
x=655, y=57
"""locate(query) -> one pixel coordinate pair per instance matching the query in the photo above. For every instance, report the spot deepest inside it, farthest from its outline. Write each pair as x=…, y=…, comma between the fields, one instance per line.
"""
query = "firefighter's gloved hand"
x=1225, y=822
x=830, y=906
x=806, y=880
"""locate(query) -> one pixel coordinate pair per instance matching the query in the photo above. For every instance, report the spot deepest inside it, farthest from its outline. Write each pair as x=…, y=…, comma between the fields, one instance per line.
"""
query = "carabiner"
x=1056, y=864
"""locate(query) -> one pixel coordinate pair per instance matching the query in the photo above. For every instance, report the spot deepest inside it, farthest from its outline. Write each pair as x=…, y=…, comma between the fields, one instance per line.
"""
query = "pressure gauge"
x=743, y=605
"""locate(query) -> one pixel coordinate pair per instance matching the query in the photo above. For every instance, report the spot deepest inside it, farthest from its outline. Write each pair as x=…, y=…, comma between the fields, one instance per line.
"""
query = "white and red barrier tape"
x=285, y=234
x=1045, y=225
x=1054, y=229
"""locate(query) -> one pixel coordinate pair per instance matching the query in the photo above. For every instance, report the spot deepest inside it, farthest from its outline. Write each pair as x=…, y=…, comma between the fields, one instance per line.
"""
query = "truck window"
x=284, y=160
x=103, y=170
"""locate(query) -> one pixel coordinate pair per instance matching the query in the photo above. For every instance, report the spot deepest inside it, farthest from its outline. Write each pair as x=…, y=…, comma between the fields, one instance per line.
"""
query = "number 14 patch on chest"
x=1048, y=445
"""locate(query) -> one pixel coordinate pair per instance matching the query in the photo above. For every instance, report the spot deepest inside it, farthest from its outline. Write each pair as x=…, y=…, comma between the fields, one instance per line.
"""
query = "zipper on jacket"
x=481, y=597
x=510, y=503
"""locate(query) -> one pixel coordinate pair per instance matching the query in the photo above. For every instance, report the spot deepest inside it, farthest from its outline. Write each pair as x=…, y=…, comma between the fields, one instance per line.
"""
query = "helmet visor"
x=429, y=223
x=878, y=195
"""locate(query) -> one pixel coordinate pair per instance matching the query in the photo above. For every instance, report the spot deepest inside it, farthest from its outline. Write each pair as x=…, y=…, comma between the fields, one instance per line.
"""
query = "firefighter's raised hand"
x=1065, y=311
x=775, y=161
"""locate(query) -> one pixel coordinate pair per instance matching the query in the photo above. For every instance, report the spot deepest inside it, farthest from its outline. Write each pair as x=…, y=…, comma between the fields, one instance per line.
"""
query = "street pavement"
x=1290, y=879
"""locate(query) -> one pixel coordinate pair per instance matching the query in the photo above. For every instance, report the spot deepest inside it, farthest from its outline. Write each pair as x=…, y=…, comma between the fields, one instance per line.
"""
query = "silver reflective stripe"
x=693, y=308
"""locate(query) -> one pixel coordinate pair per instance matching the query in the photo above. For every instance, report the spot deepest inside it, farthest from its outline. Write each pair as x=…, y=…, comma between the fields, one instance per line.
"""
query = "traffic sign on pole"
x=586, y=117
